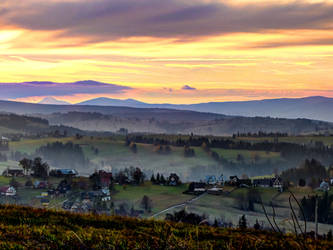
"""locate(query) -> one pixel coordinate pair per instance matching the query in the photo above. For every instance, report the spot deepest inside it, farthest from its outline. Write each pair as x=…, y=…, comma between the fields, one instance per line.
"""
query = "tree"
x=95, y=180
x=257, y=225
x=29, y=183
x=138, y=176
x=152, y=179
x=26, y=164
x=41, y=169
x=183, y=216
x=14, y=183
x=162, y=180
x=133, y=147
x=146, y=203
x=301, y=182
x=242, y=224
x=240, y=158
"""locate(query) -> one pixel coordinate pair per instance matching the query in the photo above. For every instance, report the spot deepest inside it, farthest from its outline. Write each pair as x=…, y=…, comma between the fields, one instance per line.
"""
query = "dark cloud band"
x=112, y=19
x=28, y=89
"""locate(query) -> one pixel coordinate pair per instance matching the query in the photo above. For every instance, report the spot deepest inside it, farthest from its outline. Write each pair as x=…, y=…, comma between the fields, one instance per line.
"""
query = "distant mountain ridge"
x=313, y=107
x=53, y=101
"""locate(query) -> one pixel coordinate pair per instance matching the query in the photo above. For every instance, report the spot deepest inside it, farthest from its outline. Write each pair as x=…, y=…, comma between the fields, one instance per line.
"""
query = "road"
x=179, y=205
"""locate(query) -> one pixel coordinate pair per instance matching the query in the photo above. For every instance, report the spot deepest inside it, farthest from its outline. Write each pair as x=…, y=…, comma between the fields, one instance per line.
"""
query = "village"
x=66, y=189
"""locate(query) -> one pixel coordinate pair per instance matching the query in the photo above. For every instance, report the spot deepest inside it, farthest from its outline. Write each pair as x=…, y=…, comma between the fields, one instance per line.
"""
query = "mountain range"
x=313, y=107
x=160, y=120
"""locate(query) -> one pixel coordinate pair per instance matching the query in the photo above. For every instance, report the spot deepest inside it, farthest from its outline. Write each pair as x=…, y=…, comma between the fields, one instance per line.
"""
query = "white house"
x=324, y=186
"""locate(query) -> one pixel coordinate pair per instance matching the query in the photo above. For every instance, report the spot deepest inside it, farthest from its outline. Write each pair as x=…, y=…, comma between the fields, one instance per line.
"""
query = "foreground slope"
x=23, y=227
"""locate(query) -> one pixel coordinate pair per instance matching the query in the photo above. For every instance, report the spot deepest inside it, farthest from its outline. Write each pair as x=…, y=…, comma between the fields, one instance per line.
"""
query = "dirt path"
x=179, y=205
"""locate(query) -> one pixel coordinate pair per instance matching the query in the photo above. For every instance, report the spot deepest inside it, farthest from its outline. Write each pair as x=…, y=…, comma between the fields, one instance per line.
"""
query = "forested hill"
x=28, y=228
x=17, y=123
x=152, y=120
x=13, y=125
x=151, y=123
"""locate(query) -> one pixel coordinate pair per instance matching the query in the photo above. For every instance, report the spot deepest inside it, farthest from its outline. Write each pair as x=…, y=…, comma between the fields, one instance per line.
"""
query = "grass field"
x=162, y=196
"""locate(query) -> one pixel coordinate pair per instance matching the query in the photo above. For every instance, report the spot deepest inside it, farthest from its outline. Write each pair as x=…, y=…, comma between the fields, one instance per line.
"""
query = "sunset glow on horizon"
x=170, y=51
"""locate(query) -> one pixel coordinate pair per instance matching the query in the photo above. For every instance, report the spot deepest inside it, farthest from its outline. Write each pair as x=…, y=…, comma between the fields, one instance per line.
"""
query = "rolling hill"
x=160, y=120
x=314, y=107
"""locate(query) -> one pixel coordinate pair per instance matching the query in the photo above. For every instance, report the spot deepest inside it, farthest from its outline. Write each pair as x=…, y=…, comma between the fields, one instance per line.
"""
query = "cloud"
x=187, y=87
x=28, y=89
x=103, y=20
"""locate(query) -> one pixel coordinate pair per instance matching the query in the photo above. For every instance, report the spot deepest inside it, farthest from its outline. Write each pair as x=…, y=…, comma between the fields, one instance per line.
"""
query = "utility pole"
x=316, y=217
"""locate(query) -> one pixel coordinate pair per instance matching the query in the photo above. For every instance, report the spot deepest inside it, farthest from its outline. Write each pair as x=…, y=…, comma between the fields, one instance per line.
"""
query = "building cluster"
x=214, y=185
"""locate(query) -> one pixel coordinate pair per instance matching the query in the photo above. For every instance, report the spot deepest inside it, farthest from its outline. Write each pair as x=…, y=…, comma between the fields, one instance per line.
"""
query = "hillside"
x=12, y=124
x=314, y=107
x=184, y=123
x=156, y=120
x=23, y=227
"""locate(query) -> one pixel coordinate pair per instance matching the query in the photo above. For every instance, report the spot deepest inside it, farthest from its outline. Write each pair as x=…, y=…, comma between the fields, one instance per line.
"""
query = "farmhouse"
x=4, y=141
x=211, y=180
x=105, y=177
x=196, y=188
x=8, y=191
x=40, y=184
x=63, y=172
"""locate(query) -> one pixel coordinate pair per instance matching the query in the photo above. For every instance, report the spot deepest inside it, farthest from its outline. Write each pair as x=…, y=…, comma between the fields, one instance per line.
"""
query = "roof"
x=5, y=189
x=67, y=171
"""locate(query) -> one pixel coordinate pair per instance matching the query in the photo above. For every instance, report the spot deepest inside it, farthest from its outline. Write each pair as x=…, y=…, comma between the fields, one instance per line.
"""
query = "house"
x=13, y=172
x=63, y=187
x=221, y=180
x=44, y=201
x=173, y=180
x=211, y=180
x=63, y=172
x=8, y=191
x=277, y=183
x=4, y=142
x=234, y=180
x=244, y=183
x=265, y=182
x=105, y=178
x=324, y=186
x=196, y=188
x=40, y=184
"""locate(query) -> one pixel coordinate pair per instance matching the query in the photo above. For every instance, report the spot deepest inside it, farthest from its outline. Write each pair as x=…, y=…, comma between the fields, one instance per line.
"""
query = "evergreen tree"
x=152, y=179
x=242, y=224
x=257, y=225
x=158, y=178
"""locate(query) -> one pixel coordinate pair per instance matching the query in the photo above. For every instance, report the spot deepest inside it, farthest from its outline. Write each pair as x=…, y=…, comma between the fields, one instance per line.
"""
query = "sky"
x=159, y=51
